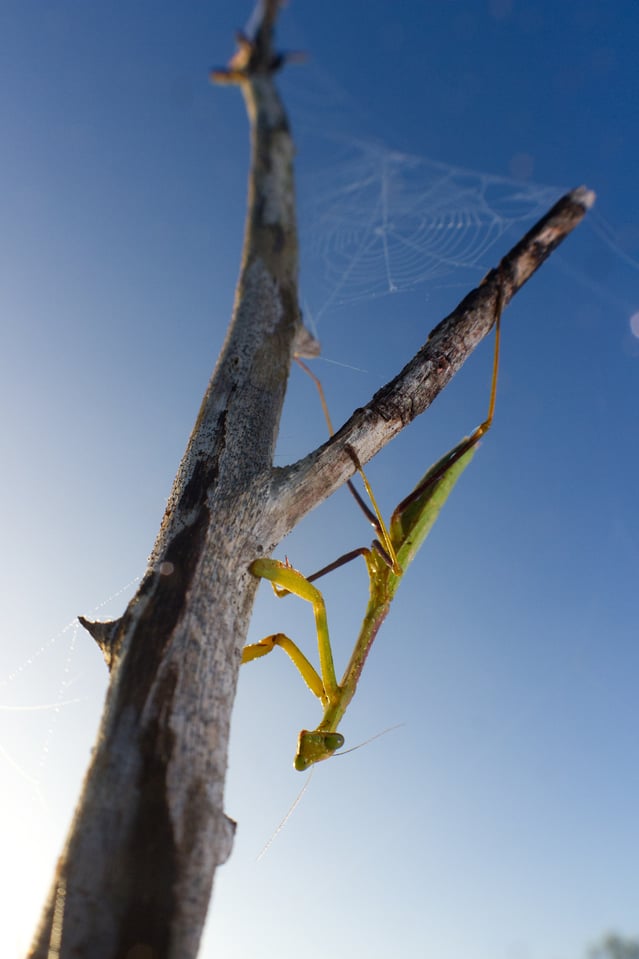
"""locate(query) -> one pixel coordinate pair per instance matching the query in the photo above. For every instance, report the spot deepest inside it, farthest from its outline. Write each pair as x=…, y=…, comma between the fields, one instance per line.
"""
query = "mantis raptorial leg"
x=410, y=524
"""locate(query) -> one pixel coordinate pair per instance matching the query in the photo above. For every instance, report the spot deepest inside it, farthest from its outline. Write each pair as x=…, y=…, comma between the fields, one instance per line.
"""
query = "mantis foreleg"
x=284, y=577
x=308, y=672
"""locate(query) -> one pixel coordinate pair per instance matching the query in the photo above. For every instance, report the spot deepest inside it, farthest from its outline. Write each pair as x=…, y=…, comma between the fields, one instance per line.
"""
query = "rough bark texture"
x=135, y=877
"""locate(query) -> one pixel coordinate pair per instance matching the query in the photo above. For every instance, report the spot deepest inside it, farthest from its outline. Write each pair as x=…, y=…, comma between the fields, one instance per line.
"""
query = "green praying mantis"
x=387, y=559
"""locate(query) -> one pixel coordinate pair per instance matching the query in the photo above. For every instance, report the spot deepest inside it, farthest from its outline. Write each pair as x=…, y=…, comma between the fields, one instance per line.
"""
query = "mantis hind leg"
x=374, y=516
x=485, y=426
x=435, y=474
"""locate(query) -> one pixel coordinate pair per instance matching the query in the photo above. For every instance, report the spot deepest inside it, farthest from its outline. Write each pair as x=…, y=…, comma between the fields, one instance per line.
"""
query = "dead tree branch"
x=136, y=873
x=308, y=482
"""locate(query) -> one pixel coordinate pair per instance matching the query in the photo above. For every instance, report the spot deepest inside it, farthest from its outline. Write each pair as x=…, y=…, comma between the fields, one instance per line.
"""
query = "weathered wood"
x=136, y=873
x=149, y=829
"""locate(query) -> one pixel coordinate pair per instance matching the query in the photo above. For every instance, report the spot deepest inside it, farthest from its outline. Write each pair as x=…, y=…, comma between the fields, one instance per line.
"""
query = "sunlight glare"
x=28, y=862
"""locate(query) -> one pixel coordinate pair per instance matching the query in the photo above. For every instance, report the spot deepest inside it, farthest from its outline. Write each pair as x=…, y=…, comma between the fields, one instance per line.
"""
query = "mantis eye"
x=313, y=747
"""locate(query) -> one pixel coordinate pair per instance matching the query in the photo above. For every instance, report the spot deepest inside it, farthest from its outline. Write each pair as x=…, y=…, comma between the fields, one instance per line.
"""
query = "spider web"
x=378, y=221
x=36, y=693
x=47, y=700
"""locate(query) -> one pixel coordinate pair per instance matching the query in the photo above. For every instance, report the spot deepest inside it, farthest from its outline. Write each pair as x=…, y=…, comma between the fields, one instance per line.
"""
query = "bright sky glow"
x=499, y=820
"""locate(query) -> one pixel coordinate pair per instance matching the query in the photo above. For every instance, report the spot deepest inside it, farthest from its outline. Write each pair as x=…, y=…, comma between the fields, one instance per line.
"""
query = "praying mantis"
x=387, y=559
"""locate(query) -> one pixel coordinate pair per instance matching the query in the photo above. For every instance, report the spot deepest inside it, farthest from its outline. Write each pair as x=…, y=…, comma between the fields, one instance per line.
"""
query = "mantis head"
x=313, y=747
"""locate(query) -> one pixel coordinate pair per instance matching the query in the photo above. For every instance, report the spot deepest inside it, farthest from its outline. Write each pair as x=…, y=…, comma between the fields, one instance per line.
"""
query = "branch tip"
x=104, y=633
x=584, y=197
x=255, y=54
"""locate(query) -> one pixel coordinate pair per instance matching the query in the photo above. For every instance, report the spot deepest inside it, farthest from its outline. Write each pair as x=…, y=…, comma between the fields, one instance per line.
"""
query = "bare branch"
x=136, y=872
x=255, y=55
x=305, y=484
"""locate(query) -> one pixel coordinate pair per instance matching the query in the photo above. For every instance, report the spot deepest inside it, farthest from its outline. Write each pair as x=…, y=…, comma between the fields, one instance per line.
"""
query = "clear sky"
x=499, y=820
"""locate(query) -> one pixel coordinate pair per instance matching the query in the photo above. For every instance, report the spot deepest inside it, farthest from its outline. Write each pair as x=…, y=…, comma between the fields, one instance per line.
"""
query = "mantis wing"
x=413, y=519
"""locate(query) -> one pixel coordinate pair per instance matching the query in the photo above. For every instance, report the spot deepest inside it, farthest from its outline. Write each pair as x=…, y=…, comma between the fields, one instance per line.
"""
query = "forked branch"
x=136, y=873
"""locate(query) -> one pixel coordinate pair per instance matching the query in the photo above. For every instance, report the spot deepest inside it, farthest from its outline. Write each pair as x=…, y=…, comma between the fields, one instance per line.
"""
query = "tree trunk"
x=135, y=877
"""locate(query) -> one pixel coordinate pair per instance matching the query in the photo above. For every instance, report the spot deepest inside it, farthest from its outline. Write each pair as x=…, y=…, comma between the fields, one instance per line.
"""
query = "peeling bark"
x=136, y=873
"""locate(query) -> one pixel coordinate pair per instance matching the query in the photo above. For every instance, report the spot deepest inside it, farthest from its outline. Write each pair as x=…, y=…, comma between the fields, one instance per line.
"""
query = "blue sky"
x=499, y=820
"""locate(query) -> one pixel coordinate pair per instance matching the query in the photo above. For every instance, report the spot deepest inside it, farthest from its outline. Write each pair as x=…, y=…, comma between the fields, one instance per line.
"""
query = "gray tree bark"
x=135, y=876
